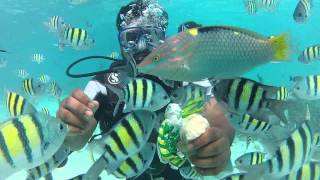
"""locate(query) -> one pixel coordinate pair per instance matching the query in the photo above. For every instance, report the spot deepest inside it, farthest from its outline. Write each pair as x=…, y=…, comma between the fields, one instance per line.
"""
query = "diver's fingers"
x=74, y=122
x=76, y=107
x=93, y=105
x=80, y=96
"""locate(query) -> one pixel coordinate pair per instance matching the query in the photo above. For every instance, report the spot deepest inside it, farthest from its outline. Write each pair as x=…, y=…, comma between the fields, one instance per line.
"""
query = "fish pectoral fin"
x=96, y=169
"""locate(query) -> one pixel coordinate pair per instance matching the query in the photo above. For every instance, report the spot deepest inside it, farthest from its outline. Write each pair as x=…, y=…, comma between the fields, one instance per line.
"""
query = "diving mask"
x=137, y=39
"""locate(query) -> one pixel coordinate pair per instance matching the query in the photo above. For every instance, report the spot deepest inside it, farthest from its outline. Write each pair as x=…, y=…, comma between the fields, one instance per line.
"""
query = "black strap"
x=91, y=73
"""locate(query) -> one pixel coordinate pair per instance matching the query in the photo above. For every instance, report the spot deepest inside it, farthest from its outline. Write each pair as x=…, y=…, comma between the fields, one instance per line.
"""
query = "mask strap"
x=91, y=73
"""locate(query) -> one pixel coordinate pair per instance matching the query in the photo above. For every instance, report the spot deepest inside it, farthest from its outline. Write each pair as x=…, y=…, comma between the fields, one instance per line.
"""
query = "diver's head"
x=141, y=25
x=188, y=25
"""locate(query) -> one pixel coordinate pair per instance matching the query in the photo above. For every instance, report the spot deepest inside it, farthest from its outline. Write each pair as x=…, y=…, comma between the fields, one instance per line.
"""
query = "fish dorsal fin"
x=230, y=28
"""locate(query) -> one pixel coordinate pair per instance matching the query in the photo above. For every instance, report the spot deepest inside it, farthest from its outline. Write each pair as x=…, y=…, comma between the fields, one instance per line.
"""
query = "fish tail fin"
x=279, y=109
x=281, y=47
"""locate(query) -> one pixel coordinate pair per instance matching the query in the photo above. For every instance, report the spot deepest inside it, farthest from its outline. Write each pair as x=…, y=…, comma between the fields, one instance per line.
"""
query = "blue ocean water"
x=23, y=34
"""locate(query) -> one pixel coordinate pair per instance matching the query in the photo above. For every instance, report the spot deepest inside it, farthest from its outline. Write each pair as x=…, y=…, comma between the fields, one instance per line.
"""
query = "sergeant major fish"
x=55, y=23
x=140, y=94
x=248, y=124
x=252, y=158
x=29, y=140
x=77, y=38
x=54, y=89
x=251, y=6
x=310, y=54
x=136, y=164
x=189, y=92
x=302, y=11
x=18, y=105
x=125, y=139
x=47, y=167
x=22, y=73
x=306, y=88
x=33, y=87
x=38, y=58
x=246, y=96
x=215, y=51
x=309, y=171
x=289, y=156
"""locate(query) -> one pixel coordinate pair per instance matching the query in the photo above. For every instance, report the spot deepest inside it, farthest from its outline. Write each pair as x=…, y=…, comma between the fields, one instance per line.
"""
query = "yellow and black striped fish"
x=188, y=93
x=44, y=78
x=38, y=58
x=55, y=23
x=267, y=4
x=33, y=87
x=309, y=171
x=54, y=89
x=18, y=105
x=290, y=155
x=125, y=139
x=77, y=38
x=22, y=73
x=141, y=94
x=247, y=96
x=310, y=54
x=47, y=167
x=307, y=88
x=136, y=164
x=249, y=124
x=251, y=7
x=28, y=140
x=252, y=158
x=282, y=94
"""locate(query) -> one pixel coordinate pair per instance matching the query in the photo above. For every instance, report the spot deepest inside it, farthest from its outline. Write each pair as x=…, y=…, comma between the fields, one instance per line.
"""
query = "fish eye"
x=46, y=145
x=165, y=97
x=156, y=58
x=174, y=95
x=240, y=161
x=61, y=127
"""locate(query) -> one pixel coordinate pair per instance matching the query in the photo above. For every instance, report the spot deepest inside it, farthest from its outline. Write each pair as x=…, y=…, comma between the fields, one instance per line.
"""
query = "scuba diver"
x=141, y=28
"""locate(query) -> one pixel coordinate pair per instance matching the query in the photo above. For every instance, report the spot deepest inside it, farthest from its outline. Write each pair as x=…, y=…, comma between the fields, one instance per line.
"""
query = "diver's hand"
x=77, y=111
x=210, y=153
